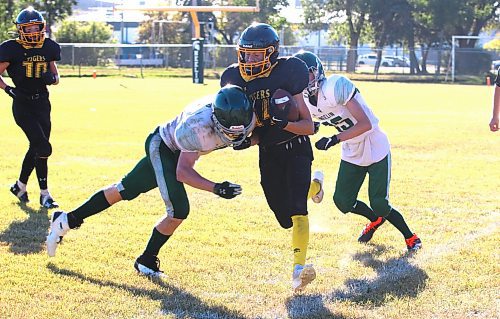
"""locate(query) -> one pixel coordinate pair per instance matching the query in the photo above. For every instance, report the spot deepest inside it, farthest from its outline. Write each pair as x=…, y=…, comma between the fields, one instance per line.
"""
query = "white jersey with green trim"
x=193, y=130
x=333, y=95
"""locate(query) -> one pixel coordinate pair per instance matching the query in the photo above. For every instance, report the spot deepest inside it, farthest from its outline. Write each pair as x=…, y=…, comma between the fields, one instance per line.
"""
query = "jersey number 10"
x=35, y=69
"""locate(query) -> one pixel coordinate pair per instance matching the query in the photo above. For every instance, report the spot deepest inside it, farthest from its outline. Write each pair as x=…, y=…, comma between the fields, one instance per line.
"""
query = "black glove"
x=227, y=190
x=244, y=145
x=49, y=78
x=316, y=127
x=12, y=92
x=325, y=143
x=279, y=117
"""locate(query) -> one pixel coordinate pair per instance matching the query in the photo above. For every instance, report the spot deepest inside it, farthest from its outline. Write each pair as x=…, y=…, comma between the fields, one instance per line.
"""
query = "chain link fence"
x=115, y=58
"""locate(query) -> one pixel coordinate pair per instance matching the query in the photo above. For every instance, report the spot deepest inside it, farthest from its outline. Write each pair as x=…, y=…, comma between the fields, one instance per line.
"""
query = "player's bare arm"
x=188, y=175
x=363, y=123
x=304, y=126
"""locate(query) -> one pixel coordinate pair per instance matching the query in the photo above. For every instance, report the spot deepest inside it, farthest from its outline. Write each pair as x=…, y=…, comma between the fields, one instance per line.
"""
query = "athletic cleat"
x=302, y=276
x=48, y=202
x=369, y=230
x=318, y=177
x=22, y=196
x=148, y=265
x=58, y=228
x=413, y=243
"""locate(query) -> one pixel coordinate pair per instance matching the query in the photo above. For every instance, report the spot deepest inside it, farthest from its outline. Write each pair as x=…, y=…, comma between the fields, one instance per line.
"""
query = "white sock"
x=21, y=186
x=44, y=192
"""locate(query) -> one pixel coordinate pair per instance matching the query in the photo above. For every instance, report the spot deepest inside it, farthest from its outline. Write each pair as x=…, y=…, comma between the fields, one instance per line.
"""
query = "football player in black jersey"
x=30, y=63
x=496, y=104
x=285, y=153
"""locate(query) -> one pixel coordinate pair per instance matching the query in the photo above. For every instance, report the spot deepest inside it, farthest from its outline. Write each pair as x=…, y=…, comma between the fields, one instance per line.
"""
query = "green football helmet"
x=233, y=114
x=315, y=67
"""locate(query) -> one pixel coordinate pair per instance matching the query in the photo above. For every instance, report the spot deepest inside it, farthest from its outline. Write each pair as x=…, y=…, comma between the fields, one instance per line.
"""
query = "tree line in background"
x=415, y=24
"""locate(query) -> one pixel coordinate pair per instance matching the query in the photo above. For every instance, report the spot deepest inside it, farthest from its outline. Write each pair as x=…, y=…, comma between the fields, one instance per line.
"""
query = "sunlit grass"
x=230, y=259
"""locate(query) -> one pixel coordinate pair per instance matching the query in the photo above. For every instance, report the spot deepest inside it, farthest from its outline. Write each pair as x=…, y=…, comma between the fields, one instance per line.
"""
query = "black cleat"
x=48, y=202
x=149, y=266
x=369, y=230
x=22, y=196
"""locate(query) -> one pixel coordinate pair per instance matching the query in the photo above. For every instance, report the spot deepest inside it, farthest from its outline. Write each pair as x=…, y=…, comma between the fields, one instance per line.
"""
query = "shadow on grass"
x=174, y=300
x=27, y=236
x=309, y=307
x=396, y=278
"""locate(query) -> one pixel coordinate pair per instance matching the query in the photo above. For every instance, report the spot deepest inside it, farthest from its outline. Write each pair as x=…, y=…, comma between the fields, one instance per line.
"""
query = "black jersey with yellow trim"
x=27, y=64
x=290, y=74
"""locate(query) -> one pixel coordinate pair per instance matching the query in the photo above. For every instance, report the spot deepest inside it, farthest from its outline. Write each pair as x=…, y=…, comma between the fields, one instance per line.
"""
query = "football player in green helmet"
x=171, y=152
x=335, y=101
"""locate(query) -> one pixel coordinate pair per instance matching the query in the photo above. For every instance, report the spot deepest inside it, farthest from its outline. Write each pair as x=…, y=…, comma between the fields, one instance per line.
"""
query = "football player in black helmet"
x=30, y=63
x=285, y=153
x=171, y=152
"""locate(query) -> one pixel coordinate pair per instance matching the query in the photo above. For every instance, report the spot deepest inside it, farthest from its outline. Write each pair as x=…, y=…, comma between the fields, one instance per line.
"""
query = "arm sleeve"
x=5, y=52
x=344, y=90
x=56, y=52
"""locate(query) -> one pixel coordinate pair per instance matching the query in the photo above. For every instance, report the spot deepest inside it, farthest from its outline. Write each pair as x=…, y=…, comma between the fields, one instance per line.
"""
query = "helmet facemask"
x=315, y=82
x=234, y=135
x=29, y=37
x=252, y=70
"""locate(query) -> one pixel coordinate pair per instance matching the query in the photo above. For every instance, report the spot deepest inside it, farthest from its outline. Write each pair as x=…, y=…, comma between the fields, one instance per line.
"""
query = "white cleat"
x=58, y=228
x=302, y=276
x=318, y=177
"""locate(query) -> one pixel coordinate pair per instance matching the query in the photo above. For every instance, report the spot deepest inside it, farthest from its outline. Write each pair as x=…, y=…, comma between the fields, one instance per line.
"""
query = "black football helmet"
x=258, y=38
x=315, y=68
x=232, y=114
x=27, y=18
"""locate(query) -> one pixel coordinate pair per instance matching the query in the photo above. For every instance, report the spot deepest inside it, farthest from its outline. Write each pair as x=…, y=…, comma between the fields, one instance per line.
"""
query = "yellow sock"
x=300, y=239
x=313, y=189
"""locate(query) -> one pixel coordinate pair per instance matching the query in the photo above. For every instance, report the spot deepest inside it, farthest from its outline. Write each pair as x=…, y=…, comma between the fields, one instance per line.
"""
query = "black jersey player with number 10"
x=30, y=63
x=285, y=153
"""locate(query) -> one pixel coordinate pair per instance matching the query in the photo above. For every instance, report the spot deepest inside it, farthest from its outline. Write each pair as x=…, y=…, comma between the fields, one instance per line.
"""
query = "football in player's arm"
x=494, y=122
x=30, y=61
x=171, y=152
x=285, y=152
x=335, y=101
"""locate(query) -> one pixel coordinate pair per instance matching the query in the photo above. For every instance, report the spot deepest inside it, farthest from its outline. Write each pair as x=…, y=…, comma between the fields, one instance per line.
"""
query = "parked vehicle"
x=397, y=60
x=371, y=59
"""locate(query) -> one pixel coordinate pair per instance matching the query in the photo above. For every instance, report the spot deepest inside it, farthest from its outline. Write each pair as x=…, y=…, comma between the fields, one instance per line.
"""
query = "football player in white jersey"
x=335, y=101
x=496, y=104
x=171, y=152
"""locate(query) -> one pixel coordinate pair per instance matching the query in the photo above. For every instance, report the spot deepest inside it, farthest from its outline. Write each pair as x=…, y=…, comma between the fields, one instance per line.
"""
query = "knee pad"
x=125, y=193
x=345, y=206
x=380, y=207
x=44, y=149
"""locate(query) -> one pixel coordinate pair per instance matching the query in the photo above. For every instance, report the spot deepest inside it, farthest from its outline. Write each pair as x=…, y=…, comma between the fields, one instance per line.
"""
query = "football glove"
x=279, y=117
x=49, y=78
x=316, y=127
x=12, y=92
x=227, y=190
x=325, y=143
x=244, y=145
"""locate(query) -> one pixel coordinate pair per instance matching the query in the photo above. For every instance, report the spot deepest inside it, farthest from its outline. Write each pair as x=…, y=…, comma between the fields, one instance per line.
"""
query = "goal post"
x=197, y=41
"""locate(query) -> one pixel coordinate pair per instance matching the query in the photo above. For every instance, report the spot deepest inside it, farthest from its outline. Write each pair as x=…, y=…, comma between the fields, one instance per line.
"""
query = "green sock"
x=363, y=210
x=156, y=241
x=398, y=221
x=95, y=204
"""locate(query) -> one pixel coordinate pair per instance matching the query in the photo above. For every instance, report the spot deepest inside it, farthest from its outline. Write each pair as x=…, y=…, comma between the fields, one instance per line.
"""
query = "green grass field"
x=230, y=259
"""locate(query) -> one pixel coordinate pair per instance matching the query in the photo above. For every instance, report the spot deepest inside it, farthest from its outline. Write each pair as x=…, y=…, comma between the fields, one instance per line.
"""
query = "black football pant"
x=285, y=172
x=33, y=117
